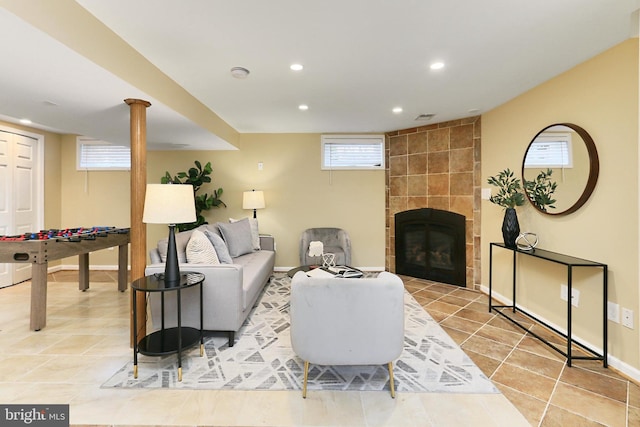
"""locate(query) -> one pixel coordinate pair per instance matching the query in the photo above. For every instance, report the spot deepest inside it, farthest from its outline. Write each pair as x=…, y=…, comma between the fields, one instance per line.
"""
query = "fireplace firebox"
x=430, y=244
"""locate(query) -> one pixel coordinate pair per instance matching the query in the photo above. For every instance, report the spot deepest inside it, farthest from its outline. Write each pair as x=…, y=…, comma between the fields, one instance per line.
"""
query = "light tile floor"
x=532, y=376
x=87, y=339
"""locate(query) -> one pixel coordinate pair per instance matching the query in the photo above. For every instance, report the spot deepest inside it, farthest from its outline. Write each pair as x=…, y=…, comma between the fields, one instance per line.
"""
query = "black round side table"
x=166, y=340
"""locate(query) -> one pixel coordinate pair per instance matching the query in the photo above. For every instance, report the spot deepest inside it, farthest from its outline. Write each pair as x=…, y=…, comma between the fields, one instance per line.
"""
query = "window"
x=99, y=155
x=352, y=152
x=550, y=150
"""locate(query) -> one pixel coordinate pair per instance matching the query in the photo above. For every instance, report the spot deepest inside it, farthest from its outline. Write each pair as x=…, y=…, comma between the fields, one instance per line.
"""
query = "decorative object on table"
x=539, y=191
x=196, y=176
x=169, y=204
x=253, y=200
x=316, y=248
x=509, y=196
x=527, y=241
x=328, y=260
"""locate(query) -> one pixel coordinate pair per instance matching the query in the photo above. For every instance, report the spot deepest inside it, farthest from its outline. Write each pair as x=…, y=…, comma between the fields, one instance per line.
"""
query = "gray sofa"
x=229, y=290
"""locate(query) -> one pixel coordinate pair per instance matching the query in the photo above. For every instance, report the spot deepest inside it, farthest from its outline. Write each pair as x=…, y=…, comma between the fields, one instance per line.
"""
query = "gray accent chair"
x=334, y=240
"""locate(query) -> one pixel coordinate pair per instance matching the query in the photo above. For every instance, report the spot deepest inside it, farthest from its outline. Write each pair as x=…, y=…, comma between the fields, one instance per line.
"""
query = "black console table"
x=570, y=262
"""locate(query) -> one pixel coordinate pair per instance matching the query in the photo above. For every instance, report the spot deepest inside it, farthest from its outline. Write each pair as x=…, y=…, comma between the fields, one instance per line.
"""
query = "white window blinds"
x=99, y=155
x=550, y=151
x=352, y=152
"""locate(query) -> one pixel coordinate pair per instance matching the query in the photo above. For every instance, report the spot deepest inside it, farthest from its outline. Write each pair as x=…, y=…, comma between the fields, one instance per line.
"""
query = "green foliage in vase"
x=196, y=176
x=540, y=190
x=510, y=192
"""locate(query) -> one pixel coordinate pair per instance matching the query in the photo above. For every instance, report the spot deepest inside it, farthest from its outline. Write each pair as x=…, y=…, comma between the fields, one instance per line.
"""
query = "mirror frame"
x=594, y=168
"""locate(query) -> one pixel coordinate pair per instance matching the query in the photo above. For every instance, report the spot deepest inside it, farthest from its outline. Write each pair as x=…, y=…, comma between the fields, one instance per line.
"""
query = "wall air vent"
x=424, y=117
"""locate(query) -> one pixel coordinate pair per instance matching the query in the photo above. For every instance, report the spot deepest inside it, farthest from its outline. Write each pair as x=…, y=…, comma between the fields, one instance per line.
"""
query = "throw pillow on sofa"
x=182, y=239
x=220, y=247
x=200, y=250
x=237, y=236
x=255, y=234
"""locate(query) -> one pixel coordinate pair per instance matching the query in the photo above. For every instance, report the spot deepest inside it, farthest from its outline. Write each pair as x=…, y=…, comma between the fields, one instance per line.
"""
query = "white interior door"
x=6, y=190
x=20, y=206
x=24, y=196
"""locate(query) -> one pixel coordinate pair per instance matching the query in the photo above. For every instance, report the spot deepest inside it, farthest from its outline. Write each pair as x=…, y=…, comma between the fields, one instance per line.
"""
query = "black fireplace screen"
x=430, y=244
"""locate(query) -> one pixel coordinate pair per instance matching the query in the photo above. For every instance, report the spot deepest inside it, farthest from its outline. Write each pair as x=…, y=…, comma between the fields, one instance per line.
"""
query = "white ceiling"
x=361, y=59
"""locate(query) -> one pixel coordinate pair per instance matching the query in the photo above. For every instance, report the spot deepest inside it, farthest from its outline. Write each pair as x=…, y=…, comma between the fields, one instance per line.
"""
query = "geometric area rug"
x=262, y=359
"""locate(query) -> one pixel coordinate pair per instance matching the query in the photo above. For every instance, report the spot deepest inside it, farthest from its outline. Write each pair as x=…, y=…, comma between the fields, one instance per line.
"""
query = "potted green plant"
x=540, y=190
x=196, y=176
x=509, y=196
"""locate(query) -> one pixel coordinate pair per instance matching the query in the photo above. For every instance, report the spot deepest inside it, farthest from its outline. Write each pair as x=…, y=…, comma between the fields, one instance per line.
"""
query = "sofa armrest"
x=267, y=242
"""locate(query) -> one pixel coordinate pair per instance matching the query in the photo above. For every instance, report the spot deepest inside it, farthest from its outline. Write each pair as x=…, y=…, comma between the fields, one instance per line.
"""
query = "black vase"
x=510, y=228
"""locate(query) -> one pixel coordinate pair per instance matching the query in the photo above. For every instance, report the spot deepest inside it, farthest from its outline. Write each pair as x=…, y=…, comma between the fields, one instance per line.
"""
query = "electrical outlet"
x=260, y=166
x=486, y=193
x=613, y=312
x=627, y=318
x=575, y=295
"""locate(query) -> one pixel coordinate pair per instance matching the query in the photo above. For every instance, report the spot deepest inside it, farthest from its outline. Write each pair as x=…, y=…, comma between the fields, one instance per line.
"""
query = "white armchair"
x=339, y=321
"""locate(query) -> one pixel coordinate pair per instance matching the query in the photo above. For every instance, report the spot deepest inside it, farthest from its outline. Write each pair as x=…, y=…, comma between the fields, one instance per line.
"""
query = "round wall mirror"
x=560, y=169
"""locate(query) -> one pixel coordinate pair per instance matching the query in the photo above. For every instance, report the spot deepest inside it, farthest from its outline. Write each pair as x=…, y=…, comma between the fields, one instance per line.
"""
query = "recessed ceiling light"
x=437, y=66
x=239, y=72
x=25, y=121
x=296, y=67
x=474, y=110
x=397, y=110
x=303, y=107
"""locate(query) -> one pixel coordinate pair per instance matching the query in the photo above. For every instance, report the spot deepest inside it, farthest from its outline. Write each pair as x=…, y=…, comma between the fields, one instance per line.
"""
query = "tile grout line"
x=555, y=386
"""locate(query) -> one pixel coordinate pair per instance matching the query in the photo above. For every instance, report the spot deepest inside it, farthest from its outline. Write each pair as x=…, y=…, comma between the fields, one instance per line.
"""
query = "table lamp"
x=253, y=200
x=170, y=204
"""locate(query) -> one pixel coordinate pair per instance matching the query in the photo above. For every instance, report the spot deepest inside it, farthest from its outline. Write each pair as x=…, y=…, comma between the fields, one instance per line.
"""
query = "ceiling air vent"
x=424, y=117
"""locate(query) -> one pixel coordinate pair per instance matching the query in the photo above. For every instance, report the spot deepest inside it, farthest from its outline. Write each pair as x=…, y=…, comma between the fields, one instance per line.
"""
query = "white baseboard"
x=56, y=268
x=91, y=267
x=613, y=361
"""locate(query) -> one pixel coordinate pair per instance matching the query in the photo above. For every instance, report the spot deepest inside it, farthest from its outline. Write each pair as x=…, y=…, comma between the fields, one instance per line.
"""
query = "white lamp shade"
x=169, y=204
x=253, y=200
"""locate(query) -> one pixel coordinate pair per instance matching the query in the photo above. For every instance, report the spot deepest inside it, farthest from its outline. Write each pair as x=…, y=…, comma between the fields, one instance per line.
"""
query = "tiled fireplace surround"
x=436, y=166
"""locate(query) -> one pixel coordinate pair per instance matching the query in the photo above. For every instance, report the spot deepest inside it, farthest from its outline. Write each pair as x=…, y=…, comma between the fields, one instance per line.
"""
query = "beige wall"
x=298, y=194
x=601, y=95
x=92, y=198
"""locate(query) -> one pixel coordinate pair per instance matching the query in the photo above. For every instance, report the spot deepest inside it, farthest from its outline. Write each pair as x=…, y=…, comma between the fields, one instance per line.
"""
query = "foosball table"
x=49, y=245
